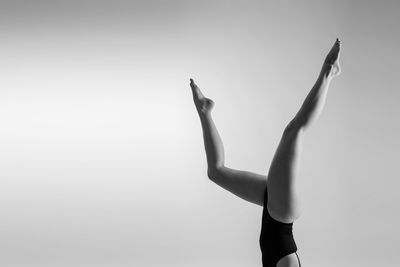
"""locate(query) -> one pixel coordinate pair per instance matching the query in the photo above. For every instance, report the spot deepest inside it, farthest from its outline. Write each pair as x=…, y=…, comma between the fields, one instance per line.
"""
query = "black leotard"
x=276, y=239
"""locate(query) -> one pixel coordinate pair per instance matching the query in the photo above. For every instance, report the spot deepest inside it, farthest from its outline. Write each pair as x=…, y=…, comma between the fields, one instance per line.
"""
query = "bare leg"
x=246, y=185
x=283, y=203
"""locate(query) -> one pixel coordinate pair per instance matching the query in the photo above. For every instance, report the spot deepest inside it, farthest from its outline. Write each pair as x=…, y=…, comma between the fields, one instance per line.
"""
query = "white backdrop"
x=101, y=154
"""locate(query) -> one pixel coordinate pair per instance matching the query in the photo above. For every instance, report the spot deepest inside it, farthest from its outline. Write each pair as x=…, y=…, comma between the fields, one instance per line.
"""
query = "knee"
x=213, y=172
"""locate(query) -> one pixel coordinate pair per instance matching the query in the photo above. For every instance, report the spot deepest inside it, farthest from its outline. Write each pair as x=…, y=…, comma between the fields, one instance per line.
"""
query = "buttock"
x=291, y=260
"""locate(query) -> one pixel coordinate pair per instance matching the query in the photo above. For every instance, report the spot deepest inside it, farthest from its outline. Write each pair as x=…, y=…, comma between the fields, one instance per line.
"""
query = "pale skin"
x=283, y=196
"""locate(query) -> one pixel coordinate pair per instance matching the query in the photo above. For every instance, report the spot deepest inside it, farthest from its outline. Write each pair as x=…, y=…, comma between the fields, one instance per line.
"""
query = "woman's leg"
x=283, y=204
x=246, y=185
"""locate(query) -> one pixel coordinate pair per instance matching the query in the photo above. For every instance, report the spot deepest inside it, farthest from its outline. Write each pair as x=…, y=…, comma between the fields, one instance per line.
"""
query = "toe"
x=338, y=43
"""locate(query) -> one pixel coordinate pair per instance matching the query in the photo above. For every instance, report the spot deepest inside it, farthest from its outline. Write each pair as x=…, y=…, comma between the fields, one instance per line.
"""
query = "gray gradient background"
x=102, y=161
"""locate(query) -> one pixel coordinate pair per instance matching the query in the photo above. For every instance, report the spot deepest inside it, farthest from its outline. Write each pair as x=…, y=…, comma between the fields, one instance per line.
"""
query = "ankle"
x=326, y=72
x=205, y=115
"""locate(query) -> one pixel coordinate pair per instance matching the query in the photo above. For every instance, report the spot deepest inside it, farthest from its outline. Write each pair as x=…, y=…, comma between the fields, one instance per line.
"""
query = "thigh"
x=282, y=191
x=246, y=185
